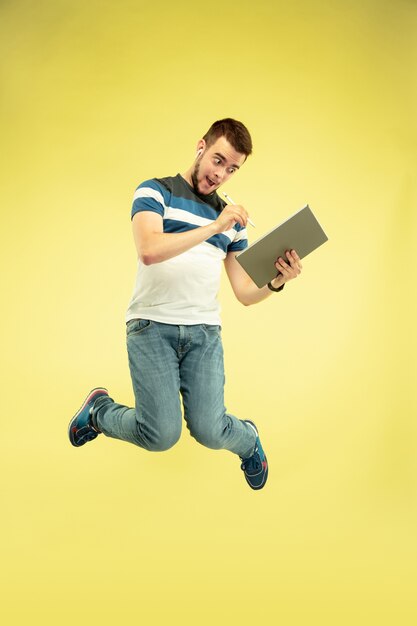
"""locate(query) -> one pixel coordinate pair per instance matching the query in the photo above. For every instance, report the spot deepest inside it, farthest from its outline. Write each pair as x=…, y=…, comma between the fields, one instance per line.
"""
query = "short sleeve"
x=240, y=242
x=149, y=196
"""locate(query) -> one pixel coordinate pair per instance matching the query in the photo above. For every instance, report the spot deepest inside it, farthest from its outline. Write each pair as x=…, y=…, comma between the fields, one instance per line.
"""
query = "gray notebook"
x=300, y=232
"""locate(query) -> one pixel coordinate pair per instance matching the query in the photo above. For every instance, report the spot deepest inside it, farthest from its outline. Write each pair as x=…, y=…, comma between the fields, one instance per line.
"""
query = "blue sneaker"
x=81, y=429
x=256, y=466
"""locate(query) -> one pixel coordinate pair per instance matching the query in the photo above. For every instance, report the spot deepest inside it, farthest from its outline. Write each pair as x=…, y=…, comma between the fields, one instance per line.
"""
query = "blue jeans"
x=165, y=361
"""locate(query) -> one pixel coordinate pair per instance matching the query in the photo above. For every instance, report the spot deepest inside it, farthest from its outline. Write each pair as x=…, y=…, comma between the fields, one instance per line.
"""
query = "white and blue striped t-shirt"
x=183, y=289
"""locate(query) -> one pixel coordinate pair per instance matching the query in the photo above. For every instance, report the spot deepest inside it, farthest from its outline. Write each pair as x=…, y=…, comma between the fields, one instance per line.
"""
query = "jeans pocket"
x=212, y=331
x=213, y=328
x=137, y=326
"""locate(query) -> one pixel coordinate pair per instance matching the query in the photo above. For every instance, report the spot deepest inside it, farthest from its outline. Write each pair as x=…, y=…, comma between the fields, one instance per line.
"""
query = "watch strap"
x=274, y=288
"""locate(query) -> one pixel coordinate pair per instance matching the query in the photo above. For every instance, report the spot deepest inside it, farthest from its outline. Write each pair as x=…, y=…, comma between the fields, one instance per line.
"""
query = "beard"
x=194, y=178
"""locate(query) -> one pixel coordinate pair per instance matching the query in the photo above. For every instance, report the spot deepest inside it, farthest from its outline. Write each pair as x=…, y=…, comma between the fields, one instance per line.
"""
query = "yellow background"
x=98, y=96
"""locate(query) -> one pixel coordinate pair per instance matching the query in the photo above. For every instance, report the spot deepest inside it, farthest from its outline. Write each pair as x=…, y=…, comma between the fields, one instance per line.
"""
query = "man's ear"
x=201, y=146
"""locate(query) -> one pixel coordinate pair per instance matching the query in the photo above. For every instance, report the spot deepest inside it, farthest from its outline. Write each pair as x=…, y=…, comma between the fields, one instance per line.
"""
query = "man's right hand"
x=231, y=214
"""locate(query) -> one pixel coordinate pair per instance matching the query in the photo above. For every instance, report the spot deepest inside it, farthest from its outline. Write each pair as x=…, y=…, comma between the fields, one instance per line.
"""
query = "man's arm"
x=246, y=291
x=154, y=246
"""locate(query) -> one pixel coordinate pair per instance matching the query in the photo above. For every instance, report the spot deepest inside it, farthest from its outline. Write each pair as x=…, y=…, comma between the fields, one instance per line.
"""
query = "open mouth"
x=210, y=182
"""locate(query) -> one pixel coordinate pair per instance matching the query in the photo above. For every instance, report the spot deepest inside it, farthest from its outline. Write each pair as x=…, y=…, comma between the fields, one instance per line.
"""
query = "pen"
x=231, y=202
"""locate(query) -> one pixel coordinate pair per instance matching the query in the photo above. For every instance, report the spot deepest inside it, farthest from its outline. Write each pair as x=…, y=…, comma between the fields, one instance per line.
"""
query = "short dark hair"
x=235, y=132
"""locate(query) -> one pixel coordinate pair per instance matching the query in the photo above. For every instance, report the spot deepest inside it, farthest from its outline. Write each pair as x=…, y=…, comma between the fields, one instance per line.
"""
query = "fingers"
x=242, y=215
x=238, y=213
x=293, y=256
x=291, y=268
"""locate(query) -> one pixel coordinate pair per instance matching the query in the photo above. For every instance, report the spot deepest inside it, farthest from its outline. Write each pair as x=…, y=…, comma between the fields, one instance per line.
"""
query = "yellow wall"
x=98, y=96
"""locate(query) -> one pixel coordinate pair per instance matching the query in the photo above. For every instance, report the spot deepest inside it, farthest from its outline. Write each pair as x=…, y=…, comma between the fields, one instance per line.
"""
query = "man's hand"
x=287, y=269
x=231, y=214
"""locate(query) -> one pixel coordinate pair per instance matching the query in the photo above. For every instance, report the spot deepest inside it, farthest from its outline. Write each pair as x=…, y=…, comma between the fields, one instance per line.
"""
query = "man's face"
x=215, y=165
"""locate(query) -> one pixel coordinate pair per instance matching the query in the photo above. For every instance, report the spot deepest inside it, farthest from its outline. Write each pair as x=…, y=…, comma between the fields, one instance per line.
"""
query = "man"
x=182, y=231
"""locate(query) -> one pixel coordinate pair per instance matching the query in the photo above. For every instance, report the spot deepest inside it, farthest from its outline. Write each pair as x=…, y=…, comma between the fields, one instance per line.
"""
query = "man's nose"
x=219, y=172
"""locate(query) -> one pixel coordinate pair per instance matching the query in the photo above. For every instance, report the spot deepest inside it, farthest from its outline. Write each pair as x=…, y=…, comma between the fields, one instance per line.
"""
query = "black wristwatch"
x=274, y=288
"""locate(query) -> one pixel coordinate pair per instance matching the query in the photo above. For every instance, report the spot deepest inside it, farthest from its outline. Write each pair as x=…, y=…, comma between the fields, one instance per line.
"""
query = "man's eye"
x=232, y=170
x=217, y=161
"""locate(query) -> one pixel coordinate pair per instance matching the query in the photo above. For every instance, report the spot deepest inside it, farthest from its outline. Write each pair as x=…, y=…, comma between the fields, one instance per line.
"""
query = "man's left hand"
x=288, y=269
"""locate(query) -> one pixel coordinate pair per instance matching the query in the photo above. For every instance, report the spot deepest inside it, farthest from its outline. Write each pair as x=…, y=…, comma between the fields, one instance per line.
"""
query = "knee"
x=209, y=435
x=159, y=441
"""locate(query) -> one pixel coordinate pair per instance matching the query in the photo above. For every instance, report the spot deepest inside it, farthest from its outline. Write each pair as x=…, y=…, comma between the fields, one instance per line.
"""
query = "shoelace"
x=86, y=433
x=91, y=435
x=253, y=464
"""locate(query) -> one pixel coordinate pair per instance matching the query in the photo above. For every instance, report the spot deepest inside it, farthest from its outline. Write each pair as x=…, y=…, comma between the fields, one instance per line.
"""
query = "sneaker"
x=256, y=466
x=81, y=429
